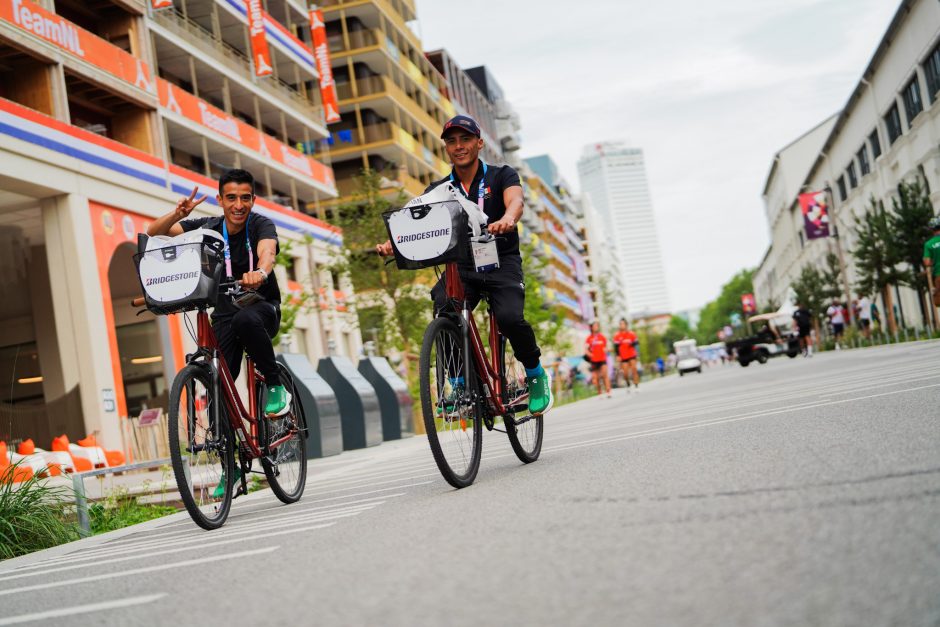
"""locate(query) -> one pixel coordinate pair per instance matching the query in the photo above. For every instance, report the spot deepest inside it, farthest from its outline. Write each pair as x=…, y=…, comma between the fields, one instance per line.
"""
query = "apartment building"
x=392, y=101
x=552, y=224
x=109, y=111
x=885, y=134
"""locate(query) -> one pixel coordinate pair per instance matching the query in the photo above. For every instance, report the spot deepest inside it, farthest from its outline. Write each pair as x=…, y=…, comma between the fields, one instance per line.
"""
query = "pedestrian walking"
x=803, y=318
x=595, y=353
x=864, y=315
x=932, y=260
x=661, y=366
x=837, y=320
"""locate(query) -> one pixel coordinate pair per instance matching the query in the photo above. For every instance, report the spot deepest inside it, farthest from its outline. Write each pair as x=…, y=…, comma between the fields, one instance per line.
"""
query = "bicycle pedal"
x=239, y=490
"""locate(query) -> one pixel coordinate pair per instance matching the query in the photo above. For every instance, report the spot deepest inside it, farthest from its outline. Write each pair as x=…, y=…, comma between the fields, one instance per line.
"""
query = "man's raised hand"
x=185, y=206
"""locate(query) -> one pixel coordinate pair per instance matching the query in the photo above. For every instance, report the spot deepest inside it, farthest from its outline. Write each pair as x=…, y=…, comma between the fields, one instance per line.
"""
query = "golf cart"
x=687, y=359
x=775, y=336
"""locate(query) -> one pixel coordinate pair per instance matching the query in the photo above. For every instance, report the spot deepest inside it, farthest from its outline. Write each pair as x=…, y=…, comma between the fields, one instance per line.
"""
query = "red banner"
x=321, y=52
x=161, y=4
x=260, y=54
x=815, y=208
x=748, y=304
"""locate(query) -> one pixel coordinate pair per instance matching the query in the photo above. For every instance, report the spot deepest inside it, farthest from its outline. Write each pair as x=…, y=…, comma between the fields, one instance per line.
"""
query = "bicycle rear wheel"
x=451, y=414
x=202, y=448
x=525, y=434
x=285, y=465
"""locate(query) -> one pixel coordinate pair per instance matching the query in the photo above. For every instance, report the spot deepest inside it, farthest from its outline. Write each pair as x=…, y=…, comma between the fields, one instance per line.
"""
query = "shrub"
x=32, y=515
x=120, y=510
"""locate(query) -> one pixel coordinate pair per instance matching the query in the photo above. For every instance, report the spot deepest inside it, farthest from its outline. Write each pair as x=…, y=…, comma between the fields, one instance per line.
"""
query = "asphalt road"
x=800, y=492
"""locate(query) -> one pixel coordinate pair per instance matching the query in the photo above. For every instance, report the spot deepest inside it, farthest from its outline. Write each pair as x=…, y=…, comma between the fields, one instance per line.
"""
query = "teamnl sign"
x=35, y=20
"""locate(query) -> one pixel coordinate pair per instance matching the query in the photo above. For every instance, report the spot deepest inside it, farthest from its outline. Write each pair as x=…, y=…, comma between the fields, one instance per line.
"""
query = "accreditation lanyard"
x=481, y=192
x=228, y=252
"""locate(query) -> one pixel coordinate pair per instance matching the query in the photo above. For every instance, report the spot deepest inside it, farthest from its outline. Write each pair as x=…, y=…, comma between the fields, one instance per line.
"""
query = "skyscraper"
x=614, y=175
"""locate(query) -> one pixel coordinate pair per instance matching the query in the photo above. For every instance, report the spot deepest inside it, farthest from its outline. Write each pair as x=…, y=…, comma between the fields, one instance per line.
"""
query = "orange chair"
x=61, y=443
x=57, y=462
x=20, y=473
x=115, y=458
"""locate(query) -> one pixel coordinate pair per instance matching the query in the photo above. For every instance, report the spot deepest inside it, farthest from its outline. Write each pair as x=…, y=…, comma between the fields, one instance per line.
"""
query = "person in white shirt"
x=837, y=319
x=864, y=315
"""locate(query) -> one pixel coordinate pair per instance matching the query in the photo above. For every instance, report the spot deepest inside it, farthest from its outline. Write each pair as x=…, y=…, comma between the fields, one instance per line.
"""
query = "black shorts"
x=865, y=322
x=597, y=365
x=627, y=360
x=803, y=331
x=838, y=329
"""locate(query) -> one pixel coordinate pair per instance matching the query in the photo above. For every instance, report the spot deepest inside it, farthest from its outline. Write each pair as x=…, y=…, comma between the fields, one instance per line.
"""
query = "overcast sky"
x=709, y=89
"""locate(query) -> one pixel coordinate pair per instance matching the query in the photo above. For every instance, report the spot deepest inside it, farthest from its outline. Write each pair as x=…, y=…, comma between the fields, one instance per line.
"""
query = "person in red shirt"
x=626, y=342
x=595, y=352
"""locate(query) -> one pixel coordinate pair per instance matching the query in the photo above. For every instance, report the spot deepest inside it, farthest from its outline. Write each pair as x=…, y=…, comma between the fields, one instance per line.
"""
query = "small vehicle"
x=775, y=336
x=687, y=357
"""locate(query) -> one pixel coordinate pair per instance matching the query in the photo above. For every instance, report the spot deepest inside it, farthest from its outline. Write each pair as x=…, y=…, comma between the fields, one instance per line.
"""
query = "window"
x=853, y=180
x=842, y=193
x=932, y=73
x=875, y=144
x=913, y=104
x=893, y=122
x=863, y=163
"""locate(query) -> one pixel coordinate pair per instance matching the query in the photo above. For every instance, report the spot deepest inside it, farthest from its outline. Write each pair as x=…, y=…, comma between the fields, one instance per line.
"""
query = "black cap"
x=464, y=122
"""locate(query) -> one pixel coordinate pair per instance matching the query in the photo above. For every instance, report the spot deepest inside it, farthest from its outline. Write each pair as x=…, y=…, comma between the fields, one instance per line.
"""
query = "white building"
x=887, y=133
x=614, y=175
x=606, y=283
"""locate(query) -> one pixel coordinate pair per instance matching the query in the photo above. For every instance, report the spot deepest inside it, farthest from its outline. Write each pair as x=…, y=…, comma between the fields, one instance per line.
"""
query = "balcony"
x=375, y=87
x=376, y=137
x=181, y=40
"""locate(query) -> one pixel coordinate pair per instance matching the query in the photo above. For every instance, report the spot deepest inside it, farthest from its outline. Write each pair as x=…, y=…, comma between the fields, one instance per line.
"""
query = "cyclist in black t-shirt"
x=251, y=246
x=498, y=191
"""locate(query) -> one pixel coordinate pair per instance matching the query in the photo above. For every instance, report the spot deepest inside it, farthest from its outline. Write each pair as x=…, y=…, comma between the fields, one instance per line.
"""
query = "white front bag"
x=176, y=270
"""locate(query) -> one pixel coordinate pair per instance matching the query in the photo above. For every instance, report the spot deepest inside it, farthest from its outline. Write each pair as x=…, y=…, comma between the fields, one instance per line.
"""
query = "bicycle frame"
x=488, y=369
x=208, y=346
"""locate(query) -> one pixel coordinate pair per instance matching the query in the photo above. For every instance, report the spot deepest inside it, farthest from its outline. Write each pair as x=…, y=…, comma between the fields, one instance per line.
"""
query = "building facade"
x=886, y=134
x=108, y=113
x=392, y=101
x=614, y=175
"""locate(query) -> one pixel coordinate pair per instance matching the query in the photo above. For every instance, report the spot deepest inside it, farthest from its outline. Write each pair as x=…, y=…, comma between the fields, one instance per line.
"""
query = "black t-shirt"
x=498, y=179
x=803, y=318
x=259, y=228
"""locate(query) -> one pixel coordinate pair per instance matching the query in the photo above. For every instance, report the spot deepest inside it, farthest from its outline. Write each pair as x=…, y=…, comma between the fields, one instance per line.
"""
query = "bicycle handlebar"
x=140, y=301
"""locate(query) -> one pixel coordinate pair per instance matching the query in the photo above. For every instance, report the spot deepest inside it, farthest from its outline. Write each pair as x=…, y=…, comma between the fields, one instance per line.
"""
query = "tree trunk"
x=889, y=309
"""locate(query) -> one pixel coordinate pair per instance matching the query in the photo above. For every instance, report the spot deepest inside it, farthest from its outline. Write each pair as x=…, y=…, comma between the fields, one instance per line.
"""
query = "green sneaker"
x=219, y=491
x=540, y=393
x=278, y=402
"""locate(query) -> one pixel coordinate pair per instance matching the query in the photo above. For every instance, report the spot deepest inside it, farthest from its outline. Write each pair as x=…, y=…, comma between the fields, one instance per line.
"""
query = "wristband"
x=264, y=275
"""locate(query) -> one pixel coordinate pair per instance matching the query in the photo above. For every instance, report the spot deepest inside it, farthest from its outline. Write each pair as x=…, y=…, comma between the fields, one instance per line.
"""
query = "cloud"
x=709, y=90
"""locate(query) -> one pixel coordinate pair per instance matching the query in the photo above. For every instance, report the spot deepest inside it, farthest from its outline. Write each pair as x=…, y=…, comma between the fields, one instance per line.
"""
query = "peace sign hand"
x=185, y=206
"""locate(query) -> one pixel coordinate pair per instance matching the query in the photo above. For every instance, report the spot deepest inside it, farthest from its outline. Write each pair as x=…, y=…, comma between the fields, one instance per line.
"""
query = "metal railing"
x=78, y=485
x=235, y=59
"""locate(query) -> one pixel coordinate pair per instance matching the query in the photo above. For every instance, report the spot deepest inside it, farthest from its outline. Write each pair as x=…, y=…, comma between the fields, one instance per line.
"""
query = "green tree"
x=716, y=314
x=908, y=227
x=831, y=277
x=547, y=320
x=877, y=258
x=398, y=301
x=678, y=329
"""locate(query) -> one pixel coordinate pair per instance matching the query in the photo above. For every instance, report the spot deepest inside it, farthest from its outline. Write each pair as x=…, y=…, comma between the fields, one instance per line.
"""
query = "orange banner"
x=161, y=4
x=189, y=106
x=321, y=52
x=260, y=55
x=76, y=41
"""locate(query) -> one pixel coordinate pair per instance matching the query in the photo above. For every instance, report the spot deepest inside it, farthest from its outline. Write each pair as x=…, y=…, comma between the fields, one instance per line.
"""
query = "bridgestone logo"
x=419, y=236
x=157, y=280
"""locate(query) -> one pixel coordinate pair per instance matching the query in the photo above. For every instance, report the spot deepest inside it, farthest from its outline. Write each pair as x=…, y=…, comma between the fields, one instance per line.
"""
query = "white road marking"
x=135, y=571
x=176, y=549
x=81, y=609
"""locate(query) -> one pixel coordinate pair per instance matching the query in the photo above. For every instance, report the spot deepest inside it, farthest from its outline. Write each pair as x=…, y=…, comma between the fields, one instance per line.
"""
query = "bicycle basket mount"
x=179, y=273
x=427, y=235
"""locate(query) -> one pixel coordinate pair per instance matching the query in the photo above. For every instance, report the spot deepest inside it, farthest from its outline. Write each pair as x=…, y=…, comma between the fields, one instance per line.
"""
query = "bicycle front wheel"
x=451, y=414
x=202, y=448
x=285, y=464
x=525, y=433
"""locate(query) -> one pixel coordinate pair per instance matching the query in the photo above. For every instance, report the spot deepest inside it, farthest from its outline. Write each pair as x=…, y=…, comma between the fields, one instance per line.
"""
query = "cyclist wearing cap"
x=498, y=190
x=250, y=259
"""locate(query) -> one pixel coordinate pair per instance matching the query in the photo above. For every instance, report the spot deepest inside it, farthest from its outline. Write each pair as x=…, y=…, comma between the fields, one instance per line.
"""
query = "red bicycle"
x=210, y=430
x=463, y=389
